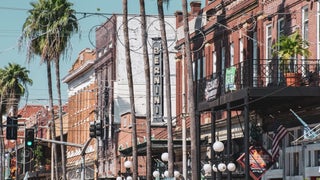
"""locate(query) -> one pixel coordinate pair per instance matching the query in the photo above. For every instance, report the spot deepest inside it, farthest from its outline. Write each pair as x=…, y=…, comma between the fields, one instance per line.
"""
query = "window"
x=305, y=22
x=255, y=59
x=99, y=54
x=210, y=13
x=204, y=66
x=305, y=27
x=223, y=63
x=269, y=42
x=200, y=65
x=318, y=34
x=317, y=158
x=309, y=159
x=280, y=32
x=223, y=59
x=214, y=62
x=296, y=163
x=280, y=27
x=194, y=70
x=231, y=54
x=241, y=50
x=268, y=51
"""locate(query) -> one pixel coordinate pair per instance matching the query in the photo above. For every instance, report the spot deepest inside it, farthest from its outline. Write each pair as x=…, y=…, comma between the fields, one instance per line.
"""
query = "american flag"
x=279, y=134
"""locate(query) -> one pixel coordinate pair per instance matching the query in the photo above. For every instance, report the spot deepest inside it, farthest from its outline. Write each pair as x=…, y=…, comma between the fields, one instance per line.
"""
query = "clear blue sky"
x=12, y=16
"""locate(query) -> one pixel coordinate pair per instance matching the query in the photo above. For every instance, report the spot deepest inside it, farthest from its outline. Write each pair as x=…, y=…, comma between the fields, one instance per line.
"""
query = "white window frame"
x=231, y=54
x=280, y=27
x=214, y=61
x=241, y=55
x=318, y=30
x=305, y=23
x=268, y=47
x=305, y=30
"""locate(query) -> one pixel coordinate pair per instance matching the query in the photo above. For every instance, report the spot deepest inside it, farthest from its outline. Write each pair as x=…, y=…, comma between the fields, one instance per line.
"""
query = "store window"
x=317, y=158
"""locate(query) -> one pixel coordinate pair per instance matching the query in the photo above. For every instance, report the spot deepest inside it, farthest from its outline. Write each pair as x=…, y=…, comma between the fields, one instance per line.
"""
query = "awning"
x=158, y=146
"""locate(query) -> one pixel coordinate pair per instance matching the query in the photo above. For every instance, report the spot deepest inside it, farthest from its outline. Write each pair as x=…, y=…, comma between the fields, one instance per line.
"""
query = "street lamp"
x=207, y=169
x=220, y=165
x=156, y=174
x=176, y=174
x=218, y=146
x=166, y=173
x=165, y=157
x=128, y=166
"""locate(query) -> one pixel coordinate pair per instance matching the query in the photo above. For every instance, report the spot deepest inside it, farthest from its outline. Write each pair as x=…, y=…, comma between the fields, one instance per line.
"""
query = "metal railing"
x=262, y=73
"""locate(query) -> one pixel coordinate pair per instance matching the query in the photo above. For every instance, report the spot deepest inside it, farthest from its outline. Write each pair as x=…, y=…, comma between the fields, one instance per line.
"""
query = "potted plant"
x=287, y=49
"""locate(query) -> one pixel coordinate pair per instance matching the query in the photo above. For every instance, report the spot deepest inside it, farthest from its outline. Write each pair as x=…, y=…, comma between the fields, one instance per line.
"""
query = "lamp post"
x=156, y=174
x=219, y=164
x=128, y=166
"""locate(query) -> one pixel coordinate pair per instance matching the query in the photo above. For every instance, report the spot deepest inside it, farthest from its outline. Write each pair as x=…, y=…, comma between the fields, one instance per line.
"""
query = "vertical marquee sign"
x=157, y=80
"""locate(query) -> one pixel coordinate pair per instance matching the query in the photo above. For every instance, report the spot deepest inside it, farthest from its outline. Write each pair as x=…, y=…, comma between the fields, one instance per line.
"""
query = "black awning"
x=157, y=147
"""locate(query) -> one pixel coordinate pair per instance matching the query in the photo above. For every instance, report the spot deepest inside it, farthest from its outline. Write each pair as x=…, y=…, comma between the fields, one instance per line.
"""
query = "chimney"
x=195, y=7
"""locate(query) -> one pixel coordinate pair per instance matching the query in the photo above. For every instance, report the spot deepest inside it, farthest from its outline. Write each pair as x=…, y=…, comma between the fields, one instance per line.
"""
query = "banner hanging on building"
x=230, y=79
x=211, y=89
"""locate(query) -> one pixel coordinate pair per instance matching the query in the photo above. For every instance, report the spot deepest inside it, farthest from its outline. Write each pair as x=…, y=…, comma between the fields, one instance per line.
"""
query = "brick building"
x=113, y=94
x=36, y=117
x=241, y=91
x=82, y=101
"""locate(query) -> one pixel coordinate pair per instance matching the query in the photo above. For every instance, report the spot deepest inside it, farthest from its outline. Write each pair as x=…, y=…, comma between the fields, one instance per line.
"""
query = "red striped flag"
x=278, y=136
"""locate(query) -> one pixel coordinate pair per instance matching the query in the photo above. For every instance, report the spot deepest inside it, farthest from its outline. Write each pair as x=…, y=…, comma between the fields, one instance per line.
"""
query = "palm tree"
x=13, y=83
x=289, y=47
x=14, y=80
x=131, y=90
x=148, y=91
x=191, y=100
x=49, y=27
x=64, y=25
x=168, y=84
x=2, y=111
x=34, y=33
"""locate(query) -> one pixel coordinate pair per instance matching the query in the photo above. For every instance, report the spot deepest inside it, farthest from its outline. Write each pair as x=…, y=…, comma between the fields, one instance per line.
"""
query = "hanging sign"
x=230, y=78
x=259, y=161
x=157, y=80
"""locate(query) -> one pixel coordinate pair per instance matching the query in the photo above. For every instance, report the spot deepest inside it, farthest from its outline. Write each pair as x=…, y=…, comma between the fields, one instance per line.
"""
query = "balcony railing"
x=259, y=74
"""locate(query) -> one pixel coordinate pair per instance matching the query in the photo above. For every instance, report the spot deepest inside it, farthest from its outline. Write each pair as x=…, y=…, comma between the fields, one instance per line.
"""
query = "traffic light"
x=12, y=128
x=96, y=129
x=99, y=129
x=29, y=138
x=92, y=129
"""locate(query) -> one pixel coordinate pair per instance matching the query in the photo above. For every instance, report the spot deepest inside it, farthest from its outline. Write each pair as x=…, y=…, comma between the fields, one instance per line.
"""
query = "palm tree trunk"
x=1, y=143
x=195, y=171
x=54, y=170
x=63, y=164
x=131, y=90
x=148, y=91
x=167, y=85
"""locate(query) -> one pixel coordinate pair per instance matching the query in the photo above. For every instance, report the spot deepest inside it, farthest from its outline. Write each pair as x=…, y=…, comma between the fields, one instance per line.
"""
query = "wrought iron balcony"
x=264, y=73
